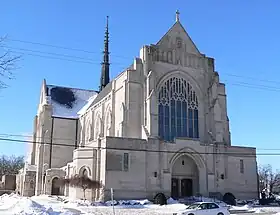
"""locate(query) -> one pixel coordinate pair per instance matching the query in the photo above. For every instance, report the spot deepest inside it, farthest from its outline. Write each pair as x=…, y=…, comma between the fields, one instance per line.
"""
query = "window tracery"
x=177, y=109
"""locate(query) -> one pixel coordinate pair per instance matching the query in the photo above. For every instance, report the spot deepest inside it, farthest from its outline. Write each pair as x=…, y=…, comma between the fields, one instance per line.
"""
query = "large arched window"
x=177, y=109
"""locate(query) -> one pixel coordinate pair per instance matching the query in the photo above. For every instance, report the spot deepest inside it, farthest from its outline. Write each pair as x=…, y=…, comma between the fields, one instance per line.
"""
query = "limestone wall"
x=150, y=166
x=63, y=141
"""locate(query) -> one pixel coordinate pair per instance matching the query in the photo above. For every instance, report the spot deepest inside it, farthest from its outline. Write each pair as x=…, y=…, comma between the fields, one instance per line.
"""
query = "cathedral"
x=160, y=126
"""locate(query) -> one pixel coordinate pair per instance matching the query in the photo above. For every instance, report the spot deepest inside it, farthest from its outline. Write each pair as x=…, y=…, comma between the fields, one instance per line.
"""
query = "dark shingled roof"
x=107, y=89
x=103, y=93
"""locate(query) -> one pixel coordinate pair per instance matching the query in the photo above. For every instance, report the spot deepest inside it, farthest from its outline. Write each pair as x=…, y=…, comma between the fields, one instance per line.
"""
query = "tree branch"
x=7, y=63
x=268, y=179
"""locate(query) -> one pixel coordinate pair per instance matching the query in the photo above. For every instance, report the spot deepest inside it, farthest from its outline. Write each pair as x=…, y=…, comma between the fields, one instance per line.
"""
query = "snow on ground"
x=51, y=205
x=45, y=205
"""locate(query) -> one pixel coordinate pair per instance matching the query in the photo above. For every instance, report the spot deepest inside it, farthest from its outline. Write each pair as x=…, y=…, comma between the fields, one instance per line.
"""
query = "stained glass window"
x=177, y=110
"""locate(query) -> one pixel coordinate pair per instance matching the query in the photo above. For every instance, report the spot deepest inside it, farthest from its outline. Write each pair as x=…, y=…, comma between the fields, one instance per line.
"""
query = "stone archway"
x=185, y=177
x=55, y=187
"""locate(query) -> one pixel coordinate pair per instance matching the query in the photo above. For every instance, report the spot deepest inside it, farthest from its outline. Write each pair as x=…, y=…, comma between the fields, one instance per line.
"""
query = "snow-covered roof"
x=87, y=105
x=68, y=102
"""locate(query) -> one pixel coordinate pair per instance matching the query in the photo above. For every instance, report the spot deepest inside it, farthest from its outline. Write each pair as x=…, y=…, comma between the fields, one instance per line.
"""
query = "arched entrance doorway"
x=55, y=187
x=185, y=177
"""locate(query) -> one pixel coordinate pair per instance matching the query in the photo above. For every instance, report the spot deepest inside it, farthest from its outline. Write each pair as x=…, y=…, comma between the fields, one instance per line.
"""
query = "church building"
x=160, y=126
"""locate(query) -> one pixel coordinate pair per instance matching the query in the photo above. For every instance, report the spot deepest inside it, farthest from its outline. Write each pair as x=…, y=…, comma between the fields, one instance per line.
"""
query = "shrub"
x=82, y=182
x=160, y=199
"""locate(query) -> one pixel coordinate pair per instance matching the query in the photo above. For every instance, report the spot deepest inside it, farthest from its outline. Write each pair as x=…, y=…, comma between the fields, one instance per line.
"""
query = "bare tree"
x=7, y=63
x=268, y=179
x=82, y=182
x=10, y=164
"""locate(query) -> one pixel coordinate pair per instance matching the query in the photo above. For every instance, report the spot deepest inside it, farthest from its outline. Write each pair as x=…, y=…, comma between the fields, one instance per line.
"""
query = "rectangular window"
x=241, y=166
x=125, y=162
x=114, y=162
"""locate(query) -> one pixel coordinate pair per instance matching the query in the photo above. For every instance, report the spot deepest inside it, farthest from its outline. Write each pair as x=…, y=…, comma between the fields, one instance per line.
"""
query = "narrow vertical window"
x=184, y=119
x=195, y=123
x=125, y=162
x=190, y=123
x=241, y=166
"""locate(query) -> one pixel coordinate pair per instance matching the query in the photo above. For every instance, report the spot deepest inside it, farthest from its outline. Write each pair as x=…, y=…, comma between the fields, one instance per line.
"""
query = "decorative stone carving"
x=178, y=43
x=176, y=55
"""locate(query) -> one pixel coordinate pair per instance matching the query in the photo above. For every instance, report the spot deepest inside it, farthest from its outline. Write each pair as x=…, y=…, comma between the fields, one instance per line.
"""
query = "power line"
x=63, y=47
x=71, y=139
x=55, y=54
x=50, y=53
x=254, y=86
x=90, y=61
x=256, y=79
x=126, y=57
x=55, y=58
x=240, y=84
x=141, y=150
x=259, y=85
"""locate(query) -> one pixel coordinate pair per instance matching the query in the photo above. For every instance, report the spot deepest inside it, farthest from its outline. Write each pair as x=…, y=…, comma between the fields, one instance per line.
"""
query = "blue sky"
x=242, y=36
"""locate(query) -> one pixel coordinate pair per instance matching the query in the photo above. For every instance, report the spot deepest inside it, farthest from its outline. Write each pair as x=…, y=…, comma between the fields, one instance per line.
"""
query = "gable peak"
x=178, y=35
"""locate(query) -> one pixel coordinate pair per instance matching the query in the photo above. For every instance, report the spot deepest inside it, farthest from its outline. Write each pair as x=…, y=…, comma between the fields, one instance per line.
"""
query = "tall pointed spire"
x=105, y=73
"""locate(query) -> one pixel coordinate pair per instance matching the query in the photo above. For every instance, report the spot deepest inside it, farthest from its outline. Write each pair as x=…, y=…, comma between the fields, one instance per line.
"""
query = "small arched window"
x=85, y=173
x=177, y=110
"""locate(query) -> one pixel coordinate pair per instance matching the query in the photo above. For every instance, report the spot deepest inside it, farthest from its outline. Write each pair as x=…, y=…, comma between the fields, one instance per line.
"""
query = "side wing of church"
x=160, y=126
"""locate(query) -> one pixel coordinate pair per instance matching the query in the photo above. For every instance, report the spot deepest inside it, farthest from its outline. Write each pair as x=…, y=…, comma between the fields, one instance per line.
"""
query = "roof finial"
x=177, y=16
x=107, y=23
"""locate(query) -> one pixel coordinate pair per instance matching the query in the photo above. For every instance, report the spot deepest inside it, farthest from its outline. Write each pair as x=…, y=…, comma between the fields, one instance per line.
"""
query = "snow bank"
x=171, y=201
x=241, y=208
x=53, y=205
x=28, y=207
x=15, y=204
x=128, y=202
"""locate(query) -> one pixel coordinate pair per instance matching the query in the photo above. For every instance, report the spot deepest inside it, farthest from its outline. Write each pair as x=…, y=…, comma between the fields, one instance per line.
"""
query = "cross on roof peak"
x=177, y=16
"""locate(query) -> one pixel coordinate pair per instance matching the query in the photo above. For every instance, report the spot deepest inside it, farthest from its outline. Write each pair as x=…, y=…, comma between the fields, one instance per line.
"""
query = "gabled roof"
x=106, y=90
x=178, y=31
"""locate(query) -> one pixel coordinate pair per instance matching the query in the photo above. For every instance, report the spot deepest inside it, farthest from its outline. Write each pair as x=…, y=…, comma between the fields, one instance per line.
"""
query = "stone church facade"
x=161, y=125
